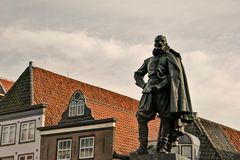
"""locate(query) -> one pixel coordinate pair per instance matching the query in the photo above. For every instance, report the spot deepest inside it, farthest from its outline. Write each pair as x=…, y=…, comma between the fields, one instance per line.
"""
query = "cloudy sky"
x=104, y=42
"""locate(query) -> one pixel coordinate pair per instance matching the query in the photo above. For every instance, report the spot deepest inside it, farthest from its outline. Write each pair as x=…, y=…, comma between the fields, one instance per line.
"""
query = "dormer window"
x=188, y=146
x=77, y=105
x=77, y=109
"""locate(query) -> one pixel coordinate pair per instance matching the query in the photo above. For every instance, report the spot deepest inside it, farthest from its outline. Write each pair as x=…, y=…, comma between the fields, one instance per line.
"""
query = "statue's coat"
x=180, y=107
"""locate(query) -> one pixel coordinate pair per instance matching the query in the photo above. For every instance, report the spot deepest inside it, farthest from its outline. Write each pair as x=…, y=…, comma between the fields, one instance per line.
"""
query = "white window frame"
x=87, y=147
x=8, y=134
x=80, y=107
x=28, y=129
x=25, y=156
x=76, y=108
x=66, y=149
x=72, y=109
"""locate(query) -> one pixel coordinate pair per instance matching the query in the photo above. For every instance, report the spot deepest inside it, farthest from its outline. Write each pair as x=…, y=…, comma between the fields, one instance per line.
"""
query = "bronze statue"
x=165, y=94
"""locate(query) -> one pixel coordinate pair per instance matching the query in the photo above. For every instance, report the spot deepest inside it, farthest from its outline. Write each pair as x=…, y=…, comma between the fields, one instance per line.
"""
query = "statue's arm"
x=139, y=75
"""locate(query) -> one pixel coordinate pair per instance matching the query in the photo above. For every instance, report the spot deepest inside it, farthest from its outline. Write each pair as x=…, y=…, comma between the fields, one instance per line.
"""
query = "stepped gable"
x=7, y=84
x=56, y=90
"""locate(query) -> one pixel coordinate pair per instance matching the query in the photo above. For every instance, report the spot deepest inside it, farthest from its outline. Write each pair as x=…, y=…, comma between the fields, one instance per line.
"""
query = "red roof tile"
x=233, y=136
x=55, y=91
x=7, y=84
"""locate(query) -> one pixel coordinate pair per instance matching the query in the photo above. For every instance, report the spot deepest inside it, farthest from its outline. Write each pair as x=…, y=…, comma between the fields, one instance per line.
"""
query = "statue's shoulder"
x=148, y=59
x=174, y=53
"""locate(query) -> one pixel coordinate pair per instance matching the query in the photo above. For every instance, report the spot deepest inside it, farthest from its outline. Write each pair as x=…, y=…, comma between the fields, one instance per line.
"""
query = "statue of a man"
x=165, y=94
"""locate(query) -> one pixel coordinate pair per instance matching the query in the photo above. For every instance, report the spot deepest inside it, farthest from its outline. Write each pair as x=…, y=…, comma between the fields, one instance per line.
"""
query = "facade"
x=78, y=135
x=48, y=116
x=19, y=137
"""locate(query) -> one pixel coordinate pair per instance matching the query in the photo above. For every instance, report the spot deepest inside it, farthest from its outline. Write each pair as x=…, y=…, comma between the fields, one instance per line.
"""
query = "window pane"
x=68, y=144
x=12, y=128
x=72, y=109
x=31, y=134
x=4, y=137
x=87, y=142
x=91, y=142
x=32, y=125
x=82, y=143
x=22, y=158
x=24, y=135
x=5, y=129
x=185, y=139
x=91, y=152
x=187, y=151
x=12, y=137
x=24, y=126
x=60, y=145
x=30, y=157
x=175, y=150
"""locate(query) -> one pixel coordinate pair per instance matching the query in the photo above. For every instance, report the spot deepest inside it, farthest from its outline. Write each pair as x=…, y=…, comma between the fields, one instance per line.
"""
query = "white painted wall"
x=23, y=148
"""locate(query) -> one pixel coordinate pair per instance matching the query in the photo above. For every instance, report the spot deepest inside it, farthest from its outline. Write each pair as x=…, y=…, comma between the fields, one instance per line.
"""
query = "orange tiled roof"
x=55, y=91
x=7, y=84
x=233, y=136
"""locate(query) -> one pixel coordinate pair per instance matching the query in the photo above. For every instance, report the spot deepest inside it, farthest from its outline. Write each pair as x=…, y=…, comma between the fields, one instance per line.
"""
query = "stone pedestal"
x=159, y=156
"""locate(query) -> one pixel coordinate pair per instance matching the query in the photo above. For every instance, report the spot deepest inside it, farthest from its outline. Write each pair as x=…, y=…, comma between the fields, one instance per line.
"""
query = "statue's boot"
x=162, y=145
x=143, y=137
x=172, y=142
x=142, y=149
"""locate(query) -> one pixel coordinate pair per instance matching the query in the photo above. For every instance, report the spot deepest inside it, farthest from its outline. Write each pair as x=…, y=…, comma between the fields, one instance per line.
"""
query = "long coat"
x=180, y=106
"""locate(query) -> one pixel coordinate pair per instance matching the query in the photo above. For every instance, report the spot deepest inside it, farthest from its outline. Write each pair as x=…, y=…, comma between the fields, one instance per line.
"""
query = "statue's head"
x=160, y=42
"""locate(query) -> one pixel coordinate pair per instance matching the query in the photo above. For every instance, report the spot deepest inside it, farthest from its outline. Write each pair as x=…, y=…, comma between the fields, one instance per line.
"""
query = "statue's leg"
x=143, y=136
x=163, y=134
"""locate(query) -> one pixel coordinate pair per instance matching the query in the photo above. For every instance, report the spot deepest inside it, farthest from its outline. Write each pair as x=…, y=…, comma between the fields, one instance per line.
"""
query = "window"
x=77, y=105
x=186, y=151
x=27, y=131
x=72, y=109
x=86, y=147
x=64, y=149
x=80, y=107
x=8, y=134
x=188, y=146
x=26, y=157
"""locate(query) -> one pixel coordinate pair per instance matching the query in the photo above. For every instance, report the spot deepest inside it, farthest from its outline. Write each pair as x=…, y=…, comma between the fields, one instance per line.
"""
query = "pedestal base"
x=159, y=156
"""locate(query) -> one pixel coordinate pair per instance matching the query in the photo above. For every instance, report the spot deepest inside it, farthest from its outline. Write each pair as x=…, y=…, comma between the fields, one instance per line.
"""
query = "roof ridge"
x=119, y=94
x=222, y=125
